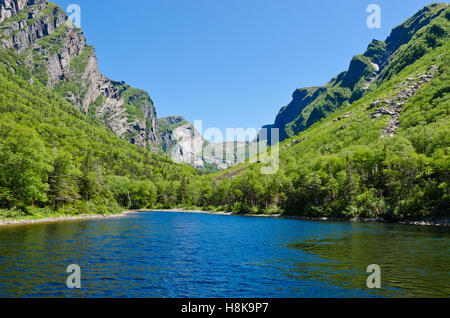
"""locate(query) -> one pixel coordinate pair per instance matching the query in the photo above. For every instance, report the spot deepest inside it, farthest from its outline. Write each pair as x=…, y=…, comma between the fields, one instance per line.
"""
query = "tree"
x=62, y=180
x=24, y=166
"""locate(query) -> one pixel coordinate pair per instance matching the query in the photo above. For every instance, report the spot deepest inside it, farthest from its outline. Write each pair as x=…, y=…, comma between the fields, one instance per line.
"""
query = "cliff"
x=59, y=57
x=184, y=144
x=366, y=72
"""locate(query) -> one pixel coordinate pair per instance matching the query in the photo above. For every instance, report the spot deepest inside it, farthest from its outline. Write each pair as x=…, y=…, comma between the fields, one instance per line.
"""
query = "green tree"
x=24, y=166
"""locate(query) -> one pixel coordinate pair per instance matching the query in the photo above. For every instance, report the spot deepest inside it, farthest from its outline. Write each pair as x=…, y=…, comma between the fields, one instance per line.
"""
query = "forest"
x=54, y=160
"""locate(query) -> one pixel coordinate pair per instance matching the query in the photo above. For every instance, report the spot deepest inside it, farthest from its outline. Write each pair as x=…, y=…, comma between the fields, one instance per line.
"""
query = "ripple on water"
x=199, y=255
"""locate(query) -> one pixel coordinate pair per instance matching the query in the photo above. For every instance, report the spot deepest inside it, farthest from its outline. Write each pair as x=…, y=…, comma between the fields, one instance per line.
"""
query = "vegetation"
x=362, y=77
x=54, y=157
x=344, y=168
x=56, y=160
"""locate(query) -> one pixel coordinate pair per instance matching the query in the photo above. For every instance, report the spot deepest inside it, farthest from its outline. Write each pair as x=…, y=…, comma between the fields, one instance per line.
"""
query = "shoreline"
x=57, y=219
x=439, y=223
x=12, y=222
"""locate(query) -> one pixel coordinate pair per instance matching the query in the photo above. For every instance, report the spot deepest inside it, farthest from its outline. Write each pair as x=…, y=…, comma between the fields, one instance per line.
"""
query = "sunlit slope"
x=365, y=72
x=386, y=154
x=53, y=155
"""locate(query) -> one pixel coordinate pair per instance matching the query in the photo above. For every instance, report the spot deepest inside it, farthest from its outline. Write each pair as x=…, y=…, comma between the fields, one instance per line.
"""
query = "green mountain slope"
x=366, y=72
x=53, y=157
x=384, y=155
x=381, y=151
x=57, y=54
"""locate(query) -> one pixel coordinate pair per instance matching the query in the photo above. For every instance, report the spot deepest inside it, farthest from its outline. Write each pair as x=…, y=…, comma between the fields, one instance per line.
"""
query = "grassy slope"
x=328, y=150
x=62, y=129
x=350, y=85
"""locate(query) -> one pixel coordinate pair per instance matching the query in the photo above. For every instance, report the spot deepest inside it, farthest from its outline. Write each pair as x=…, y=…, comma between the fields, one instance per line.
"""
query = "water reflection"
x=414, y=261
x=196, y=255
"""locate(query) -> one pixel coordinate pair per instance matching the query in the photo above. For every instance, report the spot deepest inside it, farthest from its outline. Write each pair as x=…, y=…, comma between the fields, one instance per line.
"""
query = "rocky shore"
x=443, y=222
x=440, y=223
x=5, y=222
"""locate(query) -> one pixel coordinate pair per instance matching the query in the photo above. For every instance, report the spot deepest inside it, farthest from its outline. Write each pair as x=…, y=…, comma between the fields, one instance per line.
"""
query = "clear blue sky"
x=230, y=63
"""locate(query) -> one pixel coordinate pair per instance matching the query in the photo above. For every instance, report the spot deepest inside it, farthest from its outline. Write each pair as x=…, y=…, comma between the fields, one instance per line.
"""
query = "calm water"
x=198, y=255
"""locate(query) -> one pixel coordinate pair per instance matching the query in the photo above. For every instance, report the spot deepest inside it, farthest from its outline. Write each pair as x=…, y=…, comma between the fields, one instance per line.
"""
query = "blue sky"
x=230, y=63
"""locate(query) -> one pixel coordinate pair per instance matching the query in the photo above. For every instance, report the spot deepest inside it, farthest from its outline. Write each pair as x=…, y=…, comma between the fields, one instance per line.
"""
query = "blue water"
x=161, y=254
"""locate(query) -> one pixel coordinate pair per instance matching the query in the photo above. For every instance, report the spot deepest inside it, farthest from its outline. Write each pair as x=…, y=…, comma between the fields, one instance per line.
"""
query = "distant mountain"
x=184, y=144
x=365, y=73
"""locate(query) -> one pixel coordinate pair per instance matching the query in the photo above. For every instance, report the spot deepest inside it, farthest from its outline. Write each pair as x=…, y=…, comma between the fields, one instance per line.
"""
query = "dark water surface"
x=196, y=255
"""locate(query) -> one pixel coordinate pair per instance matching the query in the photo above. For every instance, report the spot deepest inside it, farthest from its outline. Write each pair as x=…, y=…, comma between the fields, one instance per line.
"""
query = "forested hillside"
x=57, y=54
x=383, y=152
x=54, y=157
x=366, y=72
x=384, y=155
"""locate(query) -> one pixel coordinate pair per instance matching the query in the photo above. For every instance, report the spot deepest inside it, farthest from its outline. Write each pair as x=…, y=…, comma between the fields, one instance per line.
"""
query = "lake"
x=158, y=254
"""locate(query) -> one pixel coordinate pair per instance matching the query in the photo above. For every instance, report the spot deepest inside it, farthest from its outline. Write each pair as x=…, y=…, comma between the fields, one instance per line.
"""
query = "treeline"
x=388, y=180
x=344, y=168
x=53, y=159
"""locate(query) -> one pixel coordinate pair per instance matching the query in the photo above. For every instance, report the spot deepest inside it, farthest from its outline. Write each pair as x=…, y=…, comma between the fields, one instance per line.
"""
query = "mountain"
x=63, y=125
x=184, y=144
x=58, y=56
x=366, y=72
x=372, y=143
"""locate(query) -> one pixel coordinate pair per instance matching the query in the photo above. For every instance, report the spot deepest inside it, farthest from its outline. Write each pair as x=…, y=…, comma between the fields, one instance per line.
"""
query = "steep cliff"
x=184, y=144
x=366, y=72
x=384, y=155
x=59, y=57
x=9, y=8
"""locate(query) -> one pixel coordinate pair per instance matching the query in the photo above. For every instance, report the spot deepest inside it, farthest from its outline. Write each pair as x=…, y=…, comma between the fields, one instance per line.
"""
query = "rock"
x=9, y=8
x=56, y=57
x=395, y=108
x=185, y=144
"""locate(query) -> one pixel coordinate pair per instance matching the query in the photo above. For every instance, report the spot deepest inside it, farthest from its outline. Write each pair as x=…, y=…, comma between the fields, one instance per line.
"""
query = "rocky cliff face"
x=181, y=141
x=59, y=57
x=185, y=144
x=365, y=73
x=9, y=8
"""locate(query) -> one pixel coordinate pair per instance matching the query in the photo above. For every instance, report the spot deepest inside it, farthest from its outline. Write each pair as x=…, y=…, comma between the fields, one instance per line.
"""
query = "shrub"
x=11, y=213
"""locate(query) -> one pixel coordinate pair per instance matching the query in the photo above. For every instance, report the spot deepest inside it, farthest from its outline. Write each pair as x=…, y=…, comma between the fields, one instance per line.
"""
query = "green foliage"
x=165, y=126
x=54, y=159
x=23, y=163
x=134, y=100
x=80, y=62
x=11, y=213
x=208, y=169
x=344, y=168
x=53, y=156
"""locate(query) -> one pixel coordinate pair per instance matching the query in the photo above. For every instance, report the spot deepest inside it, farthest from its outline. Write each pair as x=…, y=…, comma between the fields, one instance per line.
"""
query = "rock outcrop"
x=58, y=55
x=181, y=141
x=185, y=144
x=394, y=106
x=9, y=8
x=365, y=72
